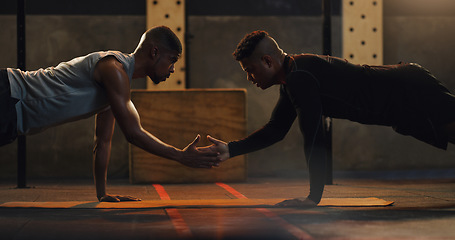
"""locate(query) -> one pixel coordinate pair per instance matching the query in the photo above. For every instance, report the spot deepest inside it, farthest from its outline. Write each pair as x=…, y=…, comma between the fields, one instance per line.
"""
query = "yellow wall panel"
x=170, y=13
x=363, y=31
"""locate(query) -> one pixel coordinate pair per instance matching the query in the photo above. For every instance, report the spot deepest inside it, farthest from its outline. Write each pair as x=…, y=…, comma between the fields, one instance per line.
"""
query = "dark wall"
x=193, y=7
x=415, y=31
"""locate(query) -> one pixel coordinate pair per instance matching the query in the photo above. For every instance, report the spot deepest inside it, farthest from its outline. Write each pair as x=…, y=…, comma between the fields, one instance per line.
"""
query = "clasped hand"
x=192, y=156
x=205, y=157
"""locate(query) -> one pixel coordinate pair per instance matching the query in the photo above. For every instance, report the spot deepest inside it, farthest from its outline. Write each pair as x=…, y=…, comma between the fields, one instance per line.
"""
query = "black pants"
x=8, y=117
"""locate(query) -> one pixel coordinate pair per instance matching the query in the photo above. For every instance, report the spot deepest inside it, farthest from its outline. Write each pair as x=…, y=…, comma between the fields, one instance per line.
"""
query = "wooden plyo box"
x=176, y=117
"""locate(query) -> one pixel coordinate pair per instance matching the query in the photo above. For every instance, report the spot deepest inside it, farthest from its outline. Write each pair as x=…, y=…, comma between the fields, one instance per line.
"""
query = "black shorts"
x=8, y=117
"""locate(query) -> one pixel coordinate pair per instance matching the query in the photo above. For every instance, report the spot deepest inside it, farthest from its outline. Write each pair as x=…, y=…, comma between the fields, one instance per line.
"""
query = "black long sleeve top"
x=317, y=86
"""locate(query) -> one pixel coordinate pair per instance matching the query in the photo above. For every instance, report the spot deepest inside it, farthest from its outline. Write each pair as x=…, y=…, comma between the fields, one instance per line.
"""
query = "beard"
x=158, y=79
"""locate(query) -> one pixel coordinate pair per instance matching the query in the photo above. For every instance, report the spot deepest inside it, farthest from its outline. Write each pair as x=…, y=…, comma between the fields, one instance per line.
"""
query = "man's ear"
x=154, y=52
x=267, y=59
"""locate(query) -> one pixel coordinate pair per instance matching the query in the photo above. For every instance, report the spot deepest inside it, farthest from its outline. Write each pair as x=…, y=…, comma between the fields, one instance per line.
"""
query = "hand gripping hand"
x=199, y=157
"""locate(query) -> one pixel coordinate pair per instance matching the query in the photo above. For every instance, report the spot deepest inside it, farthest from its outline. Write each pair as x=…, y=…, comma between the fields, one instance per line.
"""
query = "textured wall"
x=410, y=34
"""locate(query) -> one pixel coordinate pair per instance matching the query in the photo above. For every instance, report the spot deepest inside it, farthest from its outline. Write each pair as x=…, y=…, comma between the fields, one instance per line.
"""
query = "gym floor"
x=423, y=209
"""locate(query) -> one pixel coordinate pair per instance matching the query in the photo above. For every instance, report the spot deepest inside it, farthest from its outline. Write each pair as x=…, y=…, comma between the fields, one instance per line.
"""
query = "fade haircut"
x=247, y=45
x=165, y=37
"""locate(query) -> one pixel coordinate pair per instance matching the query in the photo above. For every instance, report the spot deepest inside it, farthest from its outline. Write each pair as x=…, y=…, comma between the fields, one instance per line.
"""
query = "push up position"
x=405, y=96
x=99, y=83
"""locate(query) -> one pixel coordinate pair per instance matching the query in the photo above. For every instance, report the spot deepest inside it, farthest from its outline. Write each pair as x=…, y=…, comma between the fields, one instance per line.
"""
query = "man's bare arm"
x=104, y=129
x=112, y=76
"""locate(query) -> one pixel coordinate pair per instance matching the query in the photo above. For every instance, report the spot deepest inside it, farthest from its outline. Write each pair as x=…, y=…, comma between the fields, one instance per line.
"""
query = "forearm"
x=275, y=130
x=305, y=94
x=153, y=145
x=317, y=169
x=262, y=138
x=101, y=160
x=315, y=152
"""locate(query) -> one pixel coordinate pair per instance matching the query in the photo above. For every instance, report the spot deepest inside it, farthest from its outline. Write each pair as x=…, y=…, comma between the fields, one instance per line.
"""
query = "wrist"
x=230, y=149
x=178, y=155
x=100, y=197
x=100, y=189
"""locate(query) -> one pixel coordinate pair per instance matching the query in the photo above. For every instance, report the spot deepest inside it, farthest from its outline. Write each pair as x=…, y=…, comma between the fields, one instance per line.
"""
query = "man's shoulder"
x=109, y=67
x=119, y=60
x=307, y=59
x=305, y=56
x=109, y=64
x=92, y=59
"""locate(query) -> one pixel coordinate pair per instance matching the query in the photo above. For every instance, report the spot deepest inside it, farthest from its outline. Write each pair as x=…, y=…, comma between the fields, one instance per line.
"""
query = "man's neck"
x=284, y=68
x=139, y=68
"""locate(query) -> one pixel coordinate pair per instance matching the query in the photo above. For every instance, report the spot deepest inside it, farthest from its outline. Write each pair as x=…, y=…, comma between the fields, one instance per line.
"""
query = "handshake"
x=204, y=157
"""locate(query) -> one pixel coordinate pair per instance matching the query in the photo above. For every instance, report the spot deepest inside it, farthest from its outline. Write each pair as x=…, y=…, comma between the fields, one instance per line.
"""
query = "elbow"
x=281, y=136
x=129, y=138
x=274, y=138
x=132, y=136
x=278, y=135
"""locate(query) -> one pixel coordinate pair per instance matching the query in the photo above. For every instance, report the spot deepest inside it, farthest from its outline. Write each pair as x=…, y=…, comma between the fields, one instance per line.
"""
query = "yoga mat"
x=197, y=203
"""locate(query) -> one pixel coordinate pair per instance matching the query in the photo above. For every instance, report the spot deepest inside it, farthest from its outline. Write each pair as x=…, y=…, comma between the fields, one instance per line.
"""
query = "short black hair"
x=247, y=45
x=166, y=37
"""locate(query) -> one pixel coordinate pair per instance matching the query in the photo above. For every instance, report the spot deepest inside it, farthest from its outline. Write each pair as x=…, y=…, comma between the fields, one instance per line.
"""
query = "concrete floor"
x=423, y=209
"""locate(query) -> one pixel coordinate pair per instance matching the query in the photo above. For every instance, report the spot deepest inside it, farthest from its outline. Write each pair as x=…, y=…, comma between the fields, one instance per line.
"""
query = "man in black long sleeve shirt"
x=404, y=96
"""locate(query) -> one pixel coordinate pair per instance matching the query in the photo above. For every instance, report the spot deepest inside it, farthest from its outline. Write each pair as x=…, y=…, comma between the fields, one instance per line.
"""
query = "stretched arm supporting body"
x=299, y=97
x=111, y=75
x=304, y=92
